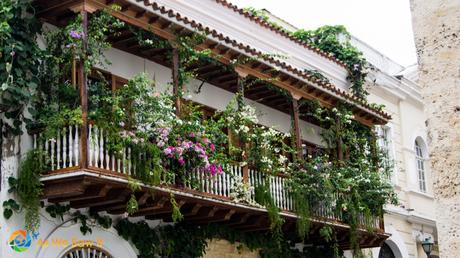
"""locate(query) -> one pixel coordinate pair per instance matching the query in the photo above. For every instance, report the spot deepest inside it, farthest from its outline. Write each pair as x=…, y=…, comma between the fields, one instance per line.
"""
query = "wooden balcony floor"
x=101, y=191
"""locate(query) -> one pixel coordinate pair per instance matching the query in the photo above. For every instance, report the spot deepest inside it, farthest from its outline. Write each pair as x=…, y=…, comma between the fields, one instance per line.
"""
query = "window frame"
x=385, y=142
x=420, y=165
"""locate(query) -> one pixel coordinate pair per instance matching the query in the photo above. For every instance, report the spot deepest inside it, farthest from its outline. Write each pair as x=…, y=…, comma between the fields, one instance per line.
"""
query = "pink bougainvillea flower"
x=169, y=150
x=181, y=161
x=213, y=148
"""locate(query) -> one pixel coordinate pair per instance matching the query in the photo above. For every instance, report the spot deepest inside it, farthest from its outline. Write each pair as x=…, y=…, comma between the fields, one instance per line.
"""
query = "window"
x=86, y=252
x=385, y=143
x=420, y=165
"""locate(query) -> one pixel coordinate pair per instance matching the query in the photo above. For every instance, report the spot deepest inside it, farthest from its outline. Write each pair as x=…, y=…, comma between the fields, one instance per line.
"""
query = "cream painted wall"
x=415, y=213
x=210, y=95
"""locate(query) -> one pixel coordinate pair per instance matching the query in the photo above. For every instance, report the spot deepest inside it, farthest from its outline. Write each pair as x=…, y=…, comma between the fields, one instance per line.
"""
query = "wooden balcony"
x=103, y=186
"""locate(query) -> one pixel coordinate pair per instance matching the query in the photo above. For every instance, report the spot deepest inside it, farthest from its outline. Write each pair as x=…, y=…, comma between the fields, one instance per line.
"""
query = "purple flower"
x=72, y=45
x=213, y=148
x=75, y=34
x=191, y=135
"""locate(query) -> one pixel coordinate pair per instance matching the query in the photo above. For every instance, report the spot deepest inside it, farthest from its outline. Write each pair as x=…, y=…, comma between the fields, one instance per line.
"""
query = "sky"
x=383, y=24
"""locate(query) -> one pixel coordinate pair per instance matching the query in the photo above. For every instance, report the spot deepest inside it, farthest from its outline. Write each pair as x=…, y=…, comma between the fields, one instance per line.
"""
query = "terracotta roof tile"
x=249, y=49
x=267, y=25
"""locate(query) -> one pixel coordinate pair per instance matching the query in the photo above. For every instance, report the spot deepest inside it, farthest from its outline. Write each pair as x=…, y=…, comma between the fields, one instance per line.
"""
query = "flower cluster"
x=76, y=34
x=242, y=192
x=190, y=150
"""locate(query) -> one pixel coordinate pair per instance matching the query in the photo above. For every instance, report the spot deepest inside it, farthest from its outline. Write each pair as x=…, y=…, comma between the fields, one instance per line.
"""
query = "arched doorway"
x=86, y=252
x=386, y=252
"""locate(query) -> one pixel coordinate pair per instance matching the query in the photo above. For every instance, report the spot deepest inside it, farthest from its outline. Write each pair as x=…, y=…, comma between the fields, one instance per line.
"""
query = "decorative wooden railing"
x=64, y=155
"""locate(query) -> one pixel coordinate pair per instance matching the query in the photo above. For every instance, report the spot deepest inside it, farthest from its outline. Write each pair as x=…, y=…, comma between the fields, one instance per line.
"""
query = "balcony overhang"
x=108, y=192
x=168, y=24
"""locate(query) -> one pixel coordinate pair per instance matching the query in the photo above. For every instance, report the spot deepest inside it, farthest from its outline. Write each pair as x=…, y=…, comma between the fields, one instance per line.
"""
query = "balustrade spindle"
x=51, y=142
x=96, y=147
x=64, y=147
x=106, y=151
x=58, y=150
x=77, y=147
x=70, y=146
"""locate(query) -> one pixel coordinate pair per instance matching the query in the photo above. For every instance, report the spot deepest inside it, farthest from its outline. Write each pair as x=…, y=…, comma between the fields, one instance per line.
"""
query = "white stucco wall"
x=210, y=95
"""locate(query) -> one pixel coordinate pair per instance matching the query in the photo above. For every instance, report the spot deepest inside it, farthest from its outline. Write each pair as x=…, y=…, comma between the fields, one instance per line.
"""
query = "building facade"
x=88, y=178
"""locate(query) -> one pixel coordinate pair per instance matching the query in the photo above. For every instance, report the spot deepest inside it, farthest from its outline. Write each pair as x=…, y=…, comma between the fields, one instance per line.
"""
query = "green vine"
x=336, y=41
x=29, y=187
x=20, y=58
x=187, y=240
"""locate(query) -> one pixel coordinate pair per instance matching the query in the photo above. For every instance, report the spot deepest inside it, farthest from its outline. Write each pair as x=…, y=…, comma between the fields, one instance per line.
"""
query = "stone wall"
x=224, y=249
x=437, y=35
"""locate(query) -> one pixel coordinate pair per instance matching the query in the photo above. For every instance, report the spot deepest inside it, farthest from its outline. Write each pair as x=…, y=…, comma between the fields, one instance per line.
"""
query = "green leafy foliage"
x=29, y=187
x=188, y=240
x=336, y=41
x=57, y=210
x=10, y=206
x=19, y=61
x=176, y=214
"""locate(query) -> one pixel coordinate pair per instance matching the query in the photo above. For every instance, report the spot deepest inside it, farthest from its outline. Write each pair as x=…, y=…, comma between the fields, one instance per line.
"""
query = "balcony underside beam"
x=100, y=193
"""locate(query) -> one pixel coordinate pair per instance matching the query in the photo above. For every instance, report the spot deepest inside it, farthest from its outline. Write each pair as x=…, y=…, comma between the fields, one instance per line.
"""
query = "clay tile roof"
x=277, y=30
x=289, y=68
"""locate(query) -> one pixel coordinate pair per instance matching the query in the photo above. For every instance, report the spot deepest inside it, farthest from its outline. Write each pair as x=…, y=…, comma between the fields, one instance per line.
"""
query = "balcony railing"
x=64, y=155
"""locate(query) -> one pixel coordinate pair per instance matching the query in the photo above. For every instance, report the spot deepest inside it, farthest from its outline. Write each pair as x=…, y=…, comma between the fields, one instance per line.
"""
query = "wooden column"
x=240, y=84
x=177, y=89
x=295, y=119
x=82, y=84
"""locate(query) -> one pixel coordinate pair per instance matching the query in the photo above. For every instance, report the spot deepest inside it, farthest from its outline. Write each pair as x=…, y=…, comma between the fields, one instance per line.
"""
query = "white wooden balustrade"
x=64, y=152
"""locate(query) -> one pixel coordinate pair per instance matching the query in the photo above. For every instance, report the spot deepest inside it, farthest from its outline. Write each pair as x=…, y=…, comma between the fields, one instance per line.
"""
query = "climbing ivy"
x=336, y=41
x=187, y=240
x=19, y=61
x=28, y=189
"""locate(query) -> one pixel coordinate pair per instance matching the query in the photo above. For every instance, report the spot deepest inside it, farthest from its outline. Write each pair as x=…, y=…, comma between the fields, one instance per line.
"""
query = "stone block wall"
x=436, y=26
x=224, y=249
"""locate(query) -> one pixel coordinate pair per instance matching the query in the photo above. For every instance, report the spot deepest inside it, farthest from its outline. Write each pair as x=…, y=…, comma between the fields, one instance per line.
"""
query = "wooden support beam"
x=177, y=91
x=241, y=220
x=161, y=204
x=153, y=19
x=140, y=14
x=64, y=189
x=258, y=222
x=206, y=214
x=93, y=191
x=114, y=196
x=223, y=216
x=83, y=97
x=296, y=129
